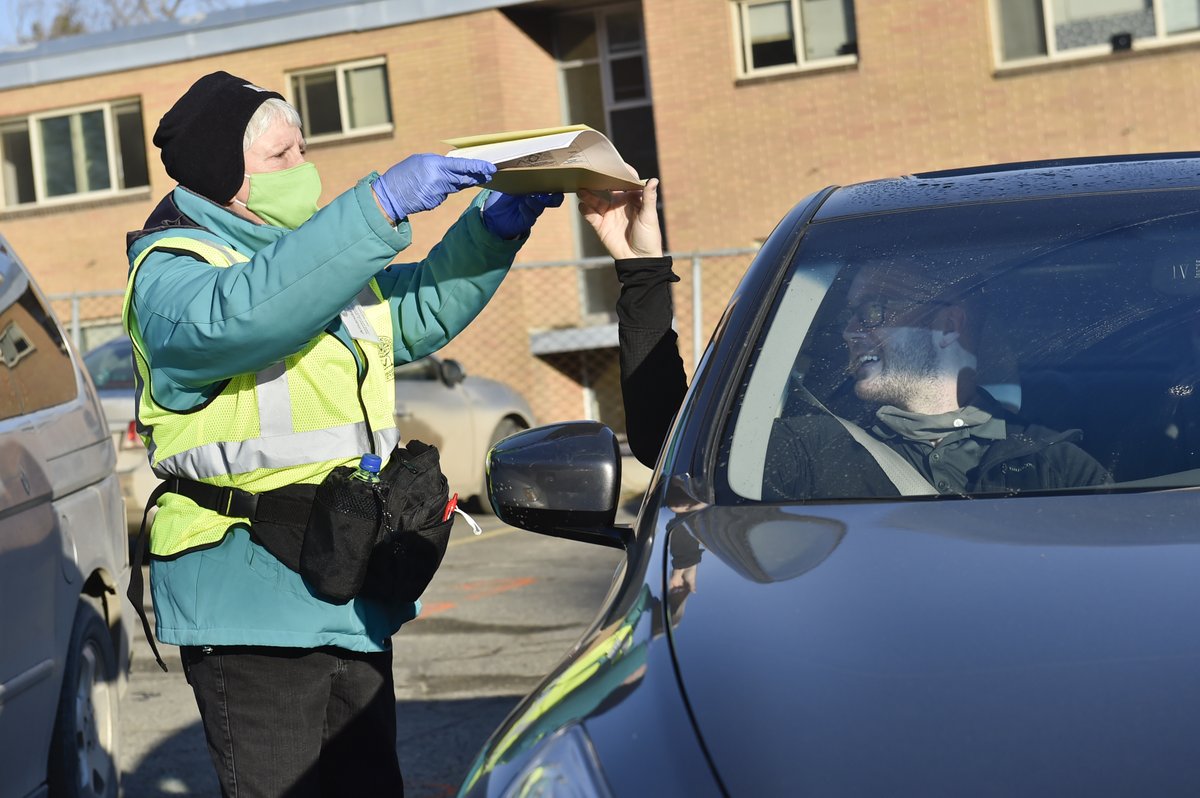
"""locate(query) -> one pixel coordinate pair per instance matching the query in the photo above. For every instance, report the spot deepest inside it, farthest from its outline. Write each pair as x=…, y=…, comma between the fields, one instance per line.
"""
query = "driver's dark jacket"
x=814, y=457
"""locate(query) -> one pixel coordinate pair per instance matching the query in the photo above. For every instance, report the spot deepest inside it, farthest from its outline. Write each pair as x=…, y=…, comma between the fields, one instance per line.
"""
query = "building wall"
x=925, y=95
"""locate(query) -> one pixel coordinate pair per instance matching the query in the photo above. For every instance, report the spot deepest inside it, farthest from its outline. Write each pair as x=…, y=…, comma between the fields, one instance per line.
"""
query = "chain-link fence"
x=550, y=332
x=91, y=317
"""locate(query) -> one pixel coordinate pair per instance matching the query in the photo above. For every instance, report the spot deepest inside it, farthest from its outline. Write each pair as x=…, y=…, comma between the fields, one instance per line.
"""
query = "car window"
x=111, y=365
x=33, y=355
x=1074, y=320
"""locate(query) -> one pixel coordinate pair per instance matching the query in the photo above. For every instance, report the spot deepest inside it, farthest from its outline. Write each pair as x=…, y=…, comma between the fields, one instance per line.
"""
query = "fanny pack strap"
x=277, y=517
x=289, y=505
x=278, y=511
x=137, y=589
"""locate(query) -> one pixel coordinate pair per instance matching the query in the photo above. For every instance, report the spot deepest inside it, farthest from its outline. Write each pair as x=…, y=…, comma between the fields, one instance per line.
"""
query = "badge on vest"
x=355, y=321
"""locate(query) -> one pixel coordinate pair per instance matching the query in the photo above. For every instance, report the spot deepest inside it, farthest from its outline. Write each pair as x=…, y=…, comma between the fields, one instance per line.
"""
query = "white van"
x=64, y=560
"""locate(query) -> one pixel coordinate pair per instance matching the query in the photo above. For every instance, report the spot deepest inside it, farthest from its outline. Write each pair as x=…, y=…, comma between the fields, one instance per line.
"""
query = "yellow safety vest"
x=291, y=423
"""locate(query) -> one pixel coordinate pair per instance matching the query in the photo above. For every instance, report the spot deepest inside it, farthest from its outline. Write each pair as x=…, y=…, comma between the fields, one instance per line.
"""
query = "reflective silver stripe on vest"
x=274, y=401
x=240, y=457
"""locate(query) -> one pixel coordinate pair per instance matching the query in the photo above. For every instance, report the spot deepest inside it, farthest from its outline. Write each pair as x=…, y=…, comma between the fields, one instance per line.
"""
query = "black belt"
x=282, y=514
x=288, y=505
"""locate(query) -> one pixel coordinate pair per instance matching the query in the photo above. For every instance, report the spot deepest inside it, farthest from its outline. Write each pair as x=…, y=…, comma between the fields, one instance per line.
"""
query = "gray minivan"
x=64, y=563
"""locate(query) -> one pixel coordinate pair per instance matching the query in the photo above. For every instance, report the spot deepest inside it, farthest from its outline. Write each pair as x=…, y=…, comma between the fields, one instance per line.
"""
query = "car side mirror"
x=562, y=480
x=452, y=372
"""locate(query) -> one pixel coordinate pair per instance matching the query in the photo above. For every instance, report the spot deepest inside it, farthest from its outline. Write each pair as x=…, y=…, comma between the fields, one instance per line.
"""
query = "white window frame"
x=340, y=69
x=32, y=121
x=1160, y=39
x=740, y=18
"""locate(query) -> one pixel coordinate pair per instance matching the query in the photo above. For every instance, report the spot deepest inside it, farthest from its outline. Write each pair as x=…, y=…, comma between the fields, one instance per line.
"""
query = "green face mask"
x=287, y=198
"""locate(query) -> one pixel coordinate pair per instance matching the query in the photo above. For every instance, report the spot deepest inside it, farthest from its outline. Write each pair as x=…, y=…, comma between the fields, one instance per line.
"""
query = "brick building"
x=741, y=107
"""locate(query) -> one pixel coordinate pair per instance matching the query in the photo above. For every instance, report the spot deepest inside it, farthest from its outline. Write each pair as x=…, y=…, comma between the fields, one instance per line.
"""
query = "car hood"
x=1008, y=646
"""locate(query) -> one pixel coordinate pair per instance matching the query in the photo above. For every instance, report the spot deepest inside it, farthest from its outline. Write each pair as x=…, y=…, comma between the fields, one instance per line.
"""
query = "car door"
x=429, y=410
x=30, y=552
x=28, y=561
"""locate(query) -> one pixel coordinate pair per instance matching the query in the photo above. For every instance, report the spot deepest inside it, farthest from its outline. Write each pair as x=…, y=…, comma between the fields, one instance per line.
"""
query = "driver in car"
x=912, y=353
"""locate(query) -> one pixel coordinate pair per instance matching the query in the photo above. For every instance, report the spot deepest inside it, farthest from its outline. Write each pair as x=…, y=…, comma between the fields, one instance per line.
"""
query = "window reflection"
x=37, y=370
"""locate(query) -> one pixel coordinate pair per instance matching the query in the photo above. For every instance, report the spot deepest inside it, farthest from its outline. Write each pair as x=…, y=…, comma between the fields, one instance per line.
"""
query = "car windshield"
x=111, y=365
x=999, y=349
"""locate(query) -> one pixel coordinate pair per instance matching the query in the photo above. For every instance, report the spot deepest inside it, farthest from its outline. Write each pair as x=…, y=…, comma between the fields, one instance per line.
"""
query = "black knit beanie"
x=201, y=136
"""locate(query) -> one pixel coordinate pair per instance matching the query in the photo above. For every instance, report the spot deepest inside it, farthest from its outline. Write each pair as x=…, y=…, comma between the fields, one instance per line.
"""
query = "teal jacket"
x=202, y=325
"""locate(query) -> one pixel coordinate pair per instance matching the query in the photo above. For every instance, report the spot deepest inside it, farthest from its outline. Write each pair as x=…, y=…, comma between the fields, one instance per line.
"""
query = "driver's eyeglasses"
x=877, y=313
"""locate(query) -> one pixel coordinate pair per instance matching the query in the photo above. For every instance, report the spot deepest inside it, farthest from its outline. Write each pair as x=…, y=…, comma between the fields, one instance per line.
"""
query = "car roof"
x=1015, y=181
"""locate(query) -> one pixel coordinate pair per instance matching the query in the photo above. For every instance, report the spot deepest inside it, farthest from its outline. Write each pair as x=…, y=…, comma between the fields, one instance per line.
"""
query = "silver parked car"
x=436, y=402
x=64, y=568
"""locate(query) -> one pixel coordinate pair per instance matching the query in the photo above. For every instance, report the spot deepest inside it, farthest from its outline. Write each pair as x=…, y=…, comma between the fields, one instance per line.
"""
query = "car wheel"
x=83, y=761
x=480, y=504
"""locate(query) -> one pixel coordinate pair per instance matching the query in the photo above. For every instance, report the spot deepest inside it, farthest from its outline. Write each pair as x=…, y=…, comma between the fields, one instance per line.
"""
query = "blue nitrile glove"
x=513, y=215
x=422, y=182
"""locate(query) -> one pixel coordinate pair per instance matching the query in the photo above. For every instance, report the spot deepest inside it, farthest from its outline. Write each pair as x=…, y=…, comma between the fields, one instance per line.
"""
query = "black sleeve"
x=652, y=378
x=684, y=547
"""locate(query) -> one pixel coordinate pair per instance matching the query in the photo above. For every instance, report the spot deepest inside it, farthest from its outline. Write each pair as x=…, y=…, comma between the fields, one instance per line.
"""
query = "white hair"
x=272, y=109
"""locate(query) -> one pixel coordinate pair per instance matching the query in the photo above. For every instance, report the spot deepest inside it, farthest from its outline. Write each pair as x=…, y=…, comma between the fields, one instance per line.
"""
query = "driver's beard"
x=908, y=372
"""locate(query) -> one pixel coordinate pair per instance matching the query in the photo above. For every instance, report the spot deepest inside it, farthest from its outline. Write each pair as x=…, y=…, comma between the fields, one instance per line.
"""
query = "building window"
x=341, y=100
x=1042, y=29
x=98, y=150
x=788, y=35
x=603, y=68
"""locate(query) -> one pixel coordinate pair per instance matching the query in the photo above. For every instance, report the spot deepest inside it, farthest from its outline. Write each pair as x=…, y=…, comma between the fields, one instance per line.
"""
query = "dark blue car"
x=798, y=615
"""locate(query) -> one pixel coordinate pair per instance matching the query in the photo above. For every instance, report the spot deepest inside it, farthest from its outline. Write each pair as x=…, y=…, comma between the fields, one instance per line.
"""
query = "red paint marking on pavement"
x=475, y=591
x=435, y=608
x=491, y=587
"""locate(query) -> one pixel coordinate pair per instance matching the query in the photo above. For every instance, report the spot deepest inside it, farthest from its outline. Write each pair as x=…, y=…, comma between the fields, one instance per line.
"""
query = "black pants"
x=300, y=723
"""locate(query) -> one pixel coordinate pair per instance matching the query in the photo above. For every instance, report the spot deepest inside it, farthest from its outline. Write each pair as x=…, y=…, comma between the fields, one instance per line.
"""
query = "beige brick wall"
x=736, y=155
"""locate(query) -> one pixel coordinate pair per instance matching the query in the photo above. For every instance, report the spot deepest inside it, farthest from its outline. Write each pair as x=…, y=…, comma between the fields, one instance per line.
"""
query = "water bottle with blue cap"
x=368, y=468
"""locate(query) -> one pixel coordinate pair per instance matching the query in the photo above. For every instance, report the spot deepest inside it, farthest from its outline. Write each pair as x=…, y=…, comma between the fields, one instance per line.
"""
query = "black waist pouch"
x=411, y=545
x=383, y=540
x=345, y=521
